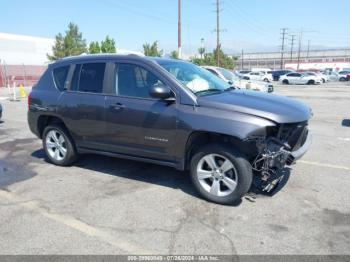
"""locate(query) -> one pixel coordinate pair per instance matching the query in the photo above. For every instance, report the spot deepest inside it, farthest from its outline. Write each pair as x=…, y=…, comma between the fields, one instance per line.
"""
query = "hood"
x=276, y=108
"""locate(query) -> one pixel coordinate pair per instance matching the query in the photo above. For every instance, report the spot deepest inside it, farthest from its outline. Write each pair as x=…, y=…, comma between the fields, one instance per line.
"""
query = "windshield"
x=227, y=74
x=195, y=78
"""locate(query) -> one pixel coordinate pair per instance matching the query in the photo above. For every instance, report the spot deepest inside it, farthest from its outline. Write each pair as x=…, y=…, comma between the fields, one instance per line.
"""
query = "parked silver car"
x=239, y=81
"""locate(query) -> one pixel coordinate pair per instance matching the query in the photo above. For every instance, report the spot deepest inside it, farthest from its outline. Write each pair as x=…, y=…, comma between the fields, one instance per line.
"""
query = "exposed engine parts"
x=270, y=161
x=274, y=152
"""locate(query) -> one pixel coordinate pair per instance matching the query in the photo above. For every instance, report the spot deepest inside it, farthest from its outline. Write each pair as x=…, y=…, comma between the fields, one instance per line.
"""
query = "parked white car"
x=332, y=76
x=238, y=81
x=259, y=76
x=299, y=79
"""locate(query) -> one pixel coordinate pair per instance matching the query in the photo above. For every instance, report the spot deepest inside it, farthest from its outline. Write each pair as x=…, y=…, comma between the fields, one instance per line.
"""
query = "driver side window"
x=134, y=81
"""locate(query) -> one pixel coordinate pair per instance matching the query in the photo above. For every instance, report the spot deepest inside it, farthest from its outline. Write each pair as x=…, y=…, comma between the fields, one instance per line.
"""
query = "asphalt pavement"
x=103, y=205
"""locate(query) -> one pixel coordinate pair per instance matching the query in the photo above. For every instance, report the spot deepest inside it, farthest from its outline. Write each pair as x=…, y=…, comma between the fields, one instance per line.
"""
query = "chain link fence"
x=26, y=75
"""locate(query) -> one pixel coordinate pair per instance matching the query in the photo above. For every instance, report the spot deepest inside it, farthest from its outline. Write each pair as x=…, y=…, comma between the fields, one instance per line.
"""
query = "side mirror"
x=161, y=92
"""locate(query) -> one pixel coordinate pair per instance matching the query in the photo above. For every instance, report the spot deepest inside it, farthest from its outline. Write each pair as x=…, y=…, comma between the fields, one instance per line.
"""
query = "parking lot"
x=104, y=205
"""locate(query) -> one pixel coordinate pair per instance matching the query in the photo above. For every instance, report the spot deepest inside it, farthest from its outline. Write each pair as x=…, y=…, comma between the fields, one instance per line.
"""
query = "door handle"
x=117, y=107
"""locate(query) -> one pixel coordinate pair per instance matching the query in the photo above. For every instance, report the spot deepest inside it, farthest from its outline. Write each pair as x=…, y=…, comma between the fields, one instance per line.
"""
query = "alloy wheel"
x=56, y=145
x=217, y=175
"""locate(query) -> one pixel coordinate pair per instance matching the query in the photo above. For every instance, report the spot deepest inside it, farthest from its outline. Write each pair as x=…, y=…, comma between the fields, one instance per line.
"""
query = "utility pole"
x=283, y=33
x=242, y=60
x=292, y=42
x=202, y=47
x=299, y=49
x=218, y=32
x=179, y=50
x=308, y=49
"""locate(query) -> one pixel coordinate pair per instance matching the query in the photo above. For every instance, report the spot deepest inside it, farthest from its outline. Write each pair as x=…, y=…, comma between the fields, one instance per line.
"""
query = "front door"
x=136, y=123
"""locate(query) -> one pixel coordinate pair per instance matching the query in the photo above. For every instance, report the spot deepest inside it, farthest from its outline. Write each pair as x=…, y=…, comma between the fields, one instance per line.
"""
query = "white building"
x=21, y=49
x=23, y=58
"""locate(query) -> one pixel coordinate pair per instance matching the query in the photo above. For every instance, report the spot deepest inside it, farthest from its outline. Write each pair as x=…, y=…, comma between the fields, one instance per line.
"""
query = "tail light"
x=29, y=100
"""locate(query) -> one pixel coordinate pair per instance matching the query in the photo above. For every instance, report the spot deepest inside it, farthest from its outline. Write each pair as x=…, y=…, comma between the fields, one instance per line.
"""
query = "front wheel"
x=221, y=174
x=58, y=145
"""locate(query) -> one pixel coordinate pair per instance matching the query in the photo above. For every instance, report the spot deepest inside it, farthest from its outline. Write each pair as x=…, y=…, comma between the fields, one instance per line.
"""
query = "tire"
x=266, y=80
x=240, y=173
x=342, y=79
x=311, y=82
x=55, y=136
x=323, y=80
x=285, y=82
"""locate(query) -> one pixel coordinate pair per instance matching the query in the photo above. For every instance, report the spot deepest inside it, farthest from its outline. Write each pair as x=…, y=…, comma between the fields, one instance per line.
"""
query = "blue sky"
x=250, y=24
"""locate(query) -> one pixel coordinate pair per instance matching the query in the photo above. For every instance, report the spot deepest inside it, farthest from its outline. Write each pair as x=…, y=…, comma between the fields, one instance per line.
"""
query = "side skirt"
x=177, y=165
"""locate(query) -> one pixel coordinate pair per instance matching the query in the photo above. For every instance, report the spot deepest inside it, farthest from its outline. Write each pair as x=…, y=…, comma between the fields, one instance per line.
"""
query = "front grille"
x=293, y=134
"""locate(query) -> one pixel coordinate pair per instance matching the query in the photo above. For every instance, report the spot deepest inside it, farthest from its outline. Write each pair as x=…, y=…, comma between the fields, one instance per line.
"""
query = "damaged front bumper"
x=296, y=155
x=275, y=156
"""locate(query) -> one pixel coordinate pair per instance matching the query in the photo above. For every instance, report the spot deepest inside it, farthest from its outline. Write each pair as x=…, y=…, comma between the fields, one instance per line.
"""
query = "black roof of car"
x=85, y=58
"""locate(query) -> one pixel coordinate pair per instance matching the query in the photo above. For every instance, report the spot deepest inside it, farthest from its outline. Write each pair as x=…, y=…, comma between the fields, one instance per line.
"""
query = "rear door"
x=83, y=104
x=294, y=78
x=136, y=123
x=300, y=80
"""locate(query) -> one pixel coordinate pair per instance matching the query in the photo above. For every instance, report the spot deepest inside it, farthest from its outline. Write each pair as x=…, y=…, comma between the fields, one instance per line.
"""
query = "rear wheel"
x=311, y=82
x=266, y=80
x=58, y=145
x=220, y=174
x=285, y=82
x=342, y=79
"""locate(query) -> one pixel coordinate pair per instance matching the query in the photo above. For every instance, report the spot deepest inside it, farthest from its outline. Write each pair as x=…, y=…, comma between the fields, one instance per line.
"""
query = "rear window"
x=60, y=75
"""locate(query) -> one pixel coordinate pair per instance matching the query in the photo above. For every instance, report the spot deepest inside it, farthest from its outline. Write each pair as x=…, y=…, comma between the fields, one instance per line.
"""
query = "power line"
x=299, y=49
x=283, y=33
x=292, y=42
x=308, y=49
x=248, y=21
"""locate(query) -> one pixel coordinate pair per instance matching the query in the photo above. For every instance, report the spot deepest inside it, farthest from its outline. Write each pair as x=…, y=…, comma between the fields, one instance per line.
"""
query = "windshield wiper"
x=231, y=88
x=212, y=90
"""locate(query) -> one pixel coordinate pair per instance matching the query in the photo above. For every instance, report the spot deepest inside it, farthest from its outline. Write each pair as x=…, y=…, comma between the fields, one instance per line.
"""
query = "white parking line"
x=323, y=165
x=76, y=224
x=344, y=139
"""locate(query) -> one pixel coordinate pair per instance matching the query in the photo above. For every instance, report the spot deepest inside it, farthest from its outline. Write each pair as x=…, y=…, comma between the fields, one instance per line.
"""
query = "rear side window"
x=60, y=75
x=91, y=78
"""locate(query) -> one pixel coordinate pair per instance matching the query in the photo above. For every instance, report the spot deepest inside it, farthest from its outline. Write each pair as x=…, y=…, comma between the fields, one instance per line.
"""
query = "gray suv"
x=172, y=113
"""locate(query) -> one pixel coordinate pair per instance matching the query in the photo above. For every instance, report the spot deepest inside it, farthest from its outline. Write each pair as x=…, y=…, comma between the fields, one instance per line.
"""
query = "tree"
x=201, y=51
x=72, y=43
x=108, y=45
x=210, y=60
x=152, y=50
x=94, y=48
x=174, y=54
